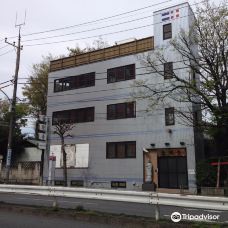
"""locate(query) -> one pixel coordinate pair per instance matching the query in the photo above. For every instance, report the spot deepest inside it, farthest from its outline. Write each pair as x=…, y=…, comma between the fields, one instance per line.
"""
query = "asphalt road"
x=12, y=219
x=107, y=206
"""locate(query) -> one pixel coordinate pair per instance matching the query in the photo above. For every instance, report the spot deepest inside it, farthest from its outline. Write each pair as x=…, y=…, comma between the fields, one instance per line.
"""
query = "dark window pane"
x=111, y=76
x=130, y=109
x=89, y=114
x=75, y=82
x=74, y=116
x=120, y=111
x=169, y=116
x=130, y=72
x=79, y=116
x=131, y=150
x=168, y=70
x=111, y=150
x=120, y=74
x=111, y=111
x=167, y=31
x=120, y=150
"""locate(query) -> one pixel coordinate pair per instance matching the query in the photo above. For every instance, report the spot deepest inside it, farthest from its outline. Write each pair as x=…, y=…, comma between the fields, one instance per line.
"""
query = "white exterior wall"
x=145, y=129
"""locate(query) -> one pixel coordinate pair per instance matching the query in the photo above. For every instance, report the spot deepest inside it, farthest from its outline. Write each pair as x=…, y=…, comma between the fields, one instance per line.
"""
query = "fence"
x=157, y=199
x=22, y=173
x=129, y=48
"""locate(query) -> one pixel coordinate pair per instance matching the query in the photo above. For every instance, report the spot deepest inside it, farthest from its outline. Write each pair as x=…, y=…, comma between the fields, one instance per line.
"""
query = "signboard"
x=191, y=171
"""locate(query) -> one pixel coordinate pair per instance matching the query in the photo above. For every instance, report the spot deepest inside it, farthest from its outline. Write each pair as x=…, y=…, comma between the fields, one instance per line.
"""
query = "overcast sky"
x=43, y=15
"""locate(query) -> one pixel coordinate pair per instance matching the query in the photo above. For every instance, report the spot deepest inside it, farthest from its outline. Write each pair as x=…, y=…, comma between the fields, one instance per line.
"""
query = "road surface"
x=137, y=209
x=12, y=219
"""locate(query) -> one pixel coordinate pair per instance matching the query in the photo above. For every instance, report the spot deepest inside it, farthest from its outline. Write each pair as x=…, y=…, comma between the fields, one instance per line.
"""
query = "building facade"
x=117, y=142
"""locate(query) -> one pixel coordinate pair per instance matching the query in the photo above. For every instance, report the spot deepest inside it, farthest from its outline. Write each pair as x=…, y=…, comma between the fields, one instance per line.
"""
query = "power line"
x=6, y=86
x=7, y=52
x=5, y=82
x=90, y=22
x=83, y=38
x=94, y=29
x=3, y=47
x=104, y=34
x=89, y=30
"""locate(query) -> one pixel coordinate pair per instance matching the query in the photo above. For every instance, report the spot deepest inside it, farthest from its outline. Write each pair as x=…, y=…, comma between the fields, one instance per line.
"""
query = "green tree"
x=204, y=51
x=37, y=87
x=22, y=111
x=96, y=45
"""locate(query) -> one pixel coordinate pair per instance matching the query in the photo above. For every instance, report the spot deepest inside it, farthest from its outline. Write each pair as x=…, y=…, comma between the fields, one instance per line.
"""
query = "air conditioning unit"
x=42, y=136
x=42, y=118
x=42, y=127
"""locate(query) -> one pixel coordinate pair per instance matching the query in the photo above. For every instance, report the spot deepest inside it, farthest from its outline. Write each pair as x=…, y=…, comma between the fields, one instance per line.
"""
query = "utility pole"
x=13, y=103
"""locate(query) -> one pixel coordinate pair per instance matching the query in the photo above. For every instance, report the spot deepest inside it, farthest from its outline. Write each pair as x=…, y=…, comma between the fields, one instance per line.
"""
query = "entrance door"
x=172, y=172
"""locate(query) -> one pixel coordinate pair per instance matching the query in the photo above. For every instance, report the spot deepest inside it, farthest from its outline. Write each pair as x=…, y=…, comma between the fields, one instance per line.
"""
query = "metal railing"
x=157, y=199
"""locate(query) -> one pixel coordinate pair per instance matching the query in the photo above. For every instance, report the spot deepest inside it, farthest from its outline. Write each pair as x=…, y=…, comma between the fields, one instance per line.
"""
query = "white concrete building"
x=115, y=137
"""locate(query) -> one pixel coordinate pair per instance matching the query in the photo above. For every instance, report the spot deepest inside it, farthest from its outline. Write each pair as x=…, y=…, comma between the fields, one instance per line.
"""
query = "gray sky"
x=44, y=15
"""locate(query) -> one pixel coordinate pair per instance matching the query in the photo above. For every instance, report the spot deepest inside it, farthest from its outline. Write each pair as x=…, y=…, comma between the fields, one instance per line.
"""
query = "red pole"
x=218, y=174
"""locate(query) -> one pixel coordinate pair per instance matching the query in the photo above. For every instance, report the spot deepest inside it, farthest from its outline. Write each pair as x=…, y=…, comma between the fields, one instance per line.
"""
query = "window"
x=74, y=115
x=195, y=118
x=121, y=111
x=167, y=31
x=74, y=82
x=122, y=73
x=194, y=78
x=121, y=149
x=169, y=116
x=168, y=70
x=59, y=183
x=118, y=184
x=77, y=183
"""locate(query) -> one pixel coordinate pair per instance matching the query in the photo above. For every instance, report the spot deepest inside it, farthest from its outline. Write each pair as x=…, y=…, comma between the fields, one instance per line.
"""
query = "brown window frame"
x=86, y=115
x=75, y=82
x=168, y=70
x=167, y=120
x=167, y=34
x=118, y=74
x=116, y=153
x=114, y=111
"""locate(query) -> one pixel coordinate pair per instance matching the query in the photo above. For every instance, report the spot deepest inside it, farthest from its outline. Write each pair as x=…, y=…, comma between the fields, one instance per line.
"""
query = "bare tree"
x=63, y=129
x=203, y=53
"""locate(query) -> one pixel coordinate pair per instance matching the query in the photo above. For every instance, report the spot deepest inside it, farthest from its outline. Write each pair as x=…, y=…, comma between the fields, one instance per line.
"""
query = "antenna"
x=20, y=24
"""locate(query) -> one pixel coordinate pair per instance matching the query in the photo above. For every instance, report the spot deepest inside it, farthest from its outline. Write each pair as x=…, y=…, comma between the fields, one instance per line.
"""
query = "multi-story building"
x=116, y=142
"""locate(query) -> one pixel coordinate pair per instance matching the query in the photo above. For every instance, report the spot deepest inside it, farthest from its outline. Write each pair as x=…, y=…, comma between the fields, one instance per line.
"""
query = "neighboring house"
x=115, y=138
x=26, y=167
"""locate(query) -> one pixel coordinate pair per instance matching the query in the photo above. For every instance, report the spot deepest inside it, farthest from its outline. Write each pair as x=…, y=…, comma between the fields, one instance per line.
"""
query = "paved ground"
x=12, y=219
x=108, y=206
